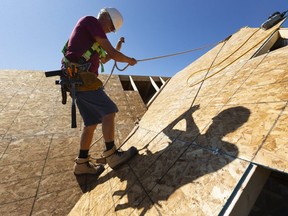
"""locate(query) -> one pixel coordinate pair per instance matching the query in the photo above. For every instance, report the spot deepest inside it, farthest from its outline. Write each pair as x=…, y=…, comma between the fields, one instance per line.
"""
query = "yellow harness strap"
x=87, y=55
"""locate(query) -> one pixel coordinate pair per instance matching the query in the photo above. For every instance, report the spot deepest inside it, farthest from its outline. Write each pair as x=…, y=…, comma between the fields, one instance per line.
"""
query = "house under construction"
x=212, y=140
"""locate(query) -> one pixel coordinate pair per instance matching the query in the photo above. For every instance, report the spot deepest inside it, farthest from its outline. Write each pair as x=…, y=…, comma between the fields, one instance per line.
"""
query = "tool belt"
x=76, y=78
x=85, y=80
x=90, y=82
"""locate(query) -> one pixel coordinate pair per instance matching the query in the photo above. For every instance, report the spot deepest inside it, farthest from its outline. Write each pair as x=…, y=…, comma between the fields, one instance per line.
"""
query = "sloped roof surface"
x=38, y=145
x=196, y=139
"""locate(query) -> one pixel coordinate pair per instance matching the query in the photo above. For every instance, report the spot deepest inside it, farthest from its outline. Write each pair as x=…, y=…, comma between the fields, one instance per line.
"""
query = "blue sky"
x=33, y=32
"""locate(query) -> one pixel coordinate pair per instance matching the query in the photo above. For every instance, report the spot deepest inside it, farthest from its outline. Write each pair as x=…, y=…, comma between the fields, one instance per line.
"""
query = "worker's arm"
x=114, y=53
x=118, y=47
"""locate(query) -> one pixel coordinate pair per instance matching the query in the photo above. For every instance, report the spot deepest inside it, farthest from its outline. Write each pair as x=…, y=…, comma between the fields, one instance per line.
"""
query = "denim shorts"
x=94, y=105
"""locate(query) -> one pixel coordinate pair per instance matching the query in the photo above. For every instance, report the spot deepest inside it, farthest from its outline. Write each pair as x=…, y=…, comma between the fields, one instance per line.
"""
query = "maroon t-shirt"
x=82, y=39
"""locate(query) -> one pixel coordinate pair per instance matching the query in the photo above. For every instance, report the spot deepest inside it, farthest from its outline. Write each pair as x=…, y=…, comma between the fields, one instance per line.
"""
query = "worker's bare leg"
x=87, y=136
x=114, y=158
x=108, y=127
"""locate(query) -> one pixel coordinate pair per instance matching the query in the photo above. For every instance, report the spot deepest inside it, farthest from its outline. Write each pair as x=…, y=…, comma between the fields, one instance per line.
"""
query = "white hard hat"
x=115, y=16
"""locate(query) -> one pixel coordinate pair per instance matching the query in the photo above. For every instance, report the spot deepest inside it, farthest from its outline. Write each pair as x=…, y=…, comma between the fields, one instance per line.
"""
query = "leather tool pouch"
x=90, y=82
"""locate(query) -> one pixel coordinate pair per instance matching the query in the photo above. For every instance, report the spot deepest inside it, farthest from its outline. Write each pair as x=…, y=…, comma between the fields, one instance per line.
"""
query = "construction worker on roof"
x=88, y=44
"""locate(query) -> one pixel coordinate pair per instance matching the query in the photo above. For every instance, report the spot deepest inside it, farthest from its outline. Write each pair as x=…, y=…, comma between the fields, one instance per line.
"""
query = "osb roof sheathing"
x=197, y=138
x=38, y=145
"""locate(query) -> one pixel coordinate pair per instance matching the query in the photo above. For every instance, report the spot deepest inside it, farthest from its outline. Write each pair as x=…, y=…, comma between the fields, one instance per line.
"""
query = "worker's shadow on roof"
x=190, y=156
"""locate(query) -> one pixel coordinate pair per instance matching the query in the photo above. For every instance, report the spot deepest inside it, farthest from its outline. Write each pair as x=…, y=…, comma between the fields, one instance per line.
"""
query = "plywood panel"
x=199, y=182
x=38, y=147
x=274, y=152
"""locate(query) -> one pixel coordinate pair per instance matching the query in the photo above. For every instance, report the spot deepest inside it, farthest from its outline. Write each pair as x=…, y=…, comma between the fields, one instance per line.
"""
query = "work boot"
x=116, y=158
x=85, y=166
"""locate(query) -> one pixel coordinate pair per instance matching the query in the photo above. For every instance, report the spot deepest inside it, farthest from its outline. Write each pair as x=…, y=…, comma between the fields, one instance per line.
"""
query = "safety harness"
x=87, y=55
x=75, y=76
